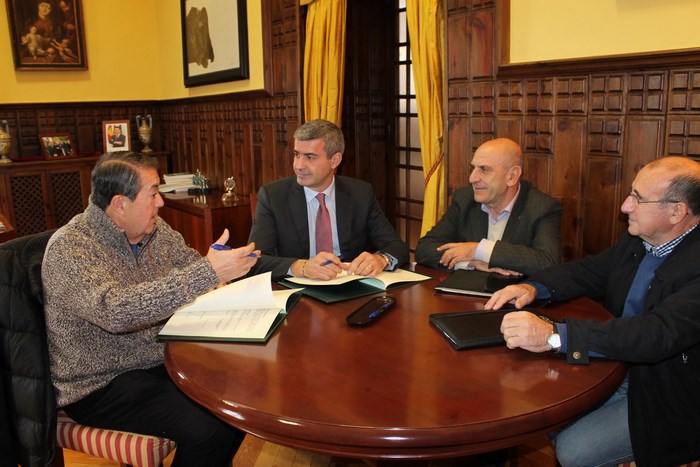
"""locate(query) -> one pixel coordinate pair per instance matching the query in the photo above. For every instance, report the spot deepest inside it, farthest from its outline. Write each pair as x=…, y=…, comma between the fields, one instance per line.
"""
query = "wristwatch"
x=554, y=339
x=386, y=258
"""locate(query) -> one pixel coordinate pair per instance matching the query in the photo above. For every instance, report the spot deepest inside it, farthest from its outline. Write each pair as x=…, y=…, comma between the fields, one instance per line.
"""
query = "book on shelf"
x=479, y=283
x=177, y=182
x=247, y=310
x=346, y=286
x=178, y=177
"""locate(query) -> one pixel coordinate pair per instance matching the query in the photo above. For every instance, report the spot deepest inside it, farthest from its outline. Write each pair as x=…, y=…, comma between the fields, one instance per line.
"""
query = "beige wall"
x=134, y=52
x=558, y=29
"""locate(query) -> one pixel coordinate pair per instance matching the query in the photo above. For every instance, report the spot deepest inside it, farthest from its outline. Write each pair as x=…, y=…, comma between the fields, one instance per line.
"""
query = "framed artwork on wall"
x=47, y=35
x=56, y=146
x=116, y=135
x=214, y=41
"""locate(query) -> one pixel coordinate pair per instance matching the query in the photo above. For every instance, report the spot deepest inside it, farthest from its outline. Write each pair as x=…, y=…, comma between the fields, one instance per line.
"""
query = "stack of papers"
x=247, y=310
x=177, y=182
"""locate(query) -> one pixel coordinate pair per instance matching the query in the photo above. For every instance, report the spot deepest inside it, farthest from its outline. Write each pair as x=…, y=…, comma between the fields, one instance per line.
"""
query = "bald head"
x=664, y=201
x=502, y=150
x=497, y=166
x=679, y=180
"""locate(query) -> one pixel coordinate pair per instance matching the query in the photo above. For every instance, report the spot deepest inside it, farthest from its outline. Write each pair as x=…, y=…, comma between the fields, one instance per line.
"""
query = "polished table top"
x=395, y=389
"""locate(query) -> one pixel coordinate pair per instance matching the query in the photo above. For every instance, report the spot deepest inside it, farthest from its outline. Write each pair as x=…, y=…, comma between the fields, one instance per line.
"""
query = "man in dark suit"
x=500, y=223
x=285, y=226
x=118, y=140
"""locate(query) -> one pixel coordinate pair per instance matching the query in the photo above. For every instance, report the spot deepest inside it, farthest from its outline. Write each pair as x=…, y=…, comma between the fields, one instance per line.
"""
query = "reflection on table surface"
x=395, y=389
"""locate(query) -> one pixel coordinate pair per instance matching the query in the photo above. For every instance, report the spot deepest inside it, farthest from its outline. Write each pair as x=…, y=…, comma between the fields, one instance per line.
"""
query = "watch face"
x=554, y=341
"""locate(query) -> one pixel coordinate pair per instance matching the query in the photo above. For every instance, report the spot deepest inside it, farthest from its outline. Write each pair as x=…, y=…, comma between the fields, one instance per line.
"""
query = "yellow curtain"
x=324, y=60
x=425, y=30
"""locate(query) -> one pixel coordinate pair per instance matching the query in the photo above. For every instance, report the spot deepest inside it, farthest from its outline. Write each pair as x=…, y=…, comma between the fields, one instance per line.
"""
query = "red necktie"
x=324, y=237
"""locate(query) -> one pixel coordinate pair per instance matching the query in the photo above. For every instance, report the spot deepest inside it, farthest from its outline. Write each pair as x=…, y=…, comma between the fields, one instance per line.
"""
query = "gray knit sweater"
x=104, y=306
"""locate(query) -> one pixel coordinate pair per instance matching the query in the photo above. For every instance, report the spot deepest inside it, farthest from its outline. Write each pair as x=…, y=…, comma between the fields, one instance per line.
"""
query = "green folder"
x=359, y=287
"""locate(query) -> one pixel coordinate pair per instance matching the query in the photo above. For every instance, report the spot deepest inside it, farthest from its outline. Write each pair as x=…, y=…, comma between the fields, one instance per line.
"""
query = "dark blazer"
x=531, y=240
x=662, y=344
x=281, y=229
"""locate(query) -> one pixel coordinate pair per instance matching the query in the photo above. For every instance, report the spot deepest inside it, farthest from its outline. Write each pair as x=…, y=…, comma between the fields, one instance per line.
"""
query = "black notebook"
x=473, y=329
x=479, y=283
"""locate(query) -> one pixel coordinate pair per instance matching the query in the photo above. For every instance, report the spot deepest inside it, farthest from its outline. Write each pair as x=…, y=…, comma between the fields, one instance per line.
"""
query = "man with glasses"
x=650, y=282
x=499, y=223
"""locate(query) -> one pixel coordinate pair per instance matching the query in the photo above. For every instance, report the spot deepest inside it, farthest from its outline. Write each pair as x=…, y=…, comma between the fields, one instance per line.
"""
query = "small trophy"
x=230, y=195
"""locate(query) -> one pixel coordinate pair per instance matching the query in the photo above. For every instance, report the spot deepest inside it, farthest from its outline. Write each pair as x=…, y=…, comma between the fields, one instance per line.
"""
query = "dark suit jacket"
x=662, y=344
x=281, y=229
x=531, y=240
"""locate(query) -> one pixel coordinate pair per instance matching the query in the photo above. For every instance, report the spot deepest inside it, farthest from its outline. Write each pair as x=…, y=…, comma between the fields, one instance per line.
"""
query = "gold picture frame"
x=47, y=35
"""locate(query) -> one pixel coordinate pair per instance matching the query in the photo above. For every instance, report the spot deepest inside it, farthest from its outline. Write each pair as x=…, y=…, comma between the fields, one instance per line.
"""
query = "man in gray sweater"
x=111, y=277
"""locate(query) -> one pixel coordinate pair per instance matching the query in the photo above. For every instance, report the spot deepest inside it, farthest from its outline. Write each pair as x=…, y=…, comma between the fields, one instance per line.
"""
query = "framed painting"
x=214, y=41
x=47, y=35
x=56, y=146
x=116, y=135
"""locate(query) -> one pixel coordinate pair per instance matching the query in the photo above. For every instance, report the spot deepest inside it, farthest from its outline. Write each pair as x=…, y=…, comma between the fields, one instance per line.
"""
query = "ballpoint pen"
x=327, y=262
x=218, y=246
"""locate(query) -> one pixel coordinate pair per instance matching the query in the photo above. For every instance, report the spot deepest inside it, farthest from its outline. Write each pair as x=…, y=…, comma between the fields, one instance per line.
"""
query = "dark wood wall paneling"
x=586, y=126
x=368, y=109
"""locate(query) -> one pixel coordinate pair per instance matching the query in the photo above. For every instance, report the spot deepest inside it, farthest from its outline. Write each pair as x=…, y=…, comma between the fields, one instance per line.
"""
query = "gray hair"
x=324, y=130
x=116, y=173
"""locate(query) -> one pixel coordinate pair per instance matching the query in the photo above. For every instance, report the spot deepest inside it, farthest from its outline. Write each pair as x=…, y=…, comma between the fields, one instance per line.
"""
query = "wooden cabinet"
x=202, y=218
x=42, y=195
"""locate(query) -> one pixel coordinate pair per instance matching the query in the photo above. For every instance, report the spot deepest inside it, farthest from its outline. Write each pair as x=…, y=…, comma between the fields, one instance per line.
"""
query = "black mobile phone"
x=370, y=311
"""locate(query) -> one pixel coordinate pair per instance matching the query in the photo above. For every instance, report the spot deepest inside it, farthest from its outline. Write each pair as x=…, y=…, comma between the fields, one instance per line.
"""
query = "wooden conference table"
x=394, y=390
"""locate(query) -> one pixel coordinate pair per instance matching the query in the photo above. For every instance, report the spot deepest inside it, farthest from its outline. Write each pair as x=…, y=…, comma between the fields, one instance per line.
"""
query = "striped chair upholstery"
x=123, y=447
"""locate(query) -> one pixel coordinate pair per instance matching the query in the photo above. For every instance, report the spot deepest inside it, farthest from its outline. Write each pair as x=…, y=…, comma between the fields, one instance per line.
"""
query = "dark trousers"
x=148, y=402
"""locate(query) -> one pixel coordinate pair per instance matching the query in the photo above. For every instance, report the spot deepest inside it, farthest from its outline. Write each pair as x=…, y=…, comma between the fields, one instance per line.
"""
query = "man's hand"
x=456, y=252
x=482, y=266
x=519, y=294
x=526, y=330
x=367, y=264
x=324, y=266
x=231, y=264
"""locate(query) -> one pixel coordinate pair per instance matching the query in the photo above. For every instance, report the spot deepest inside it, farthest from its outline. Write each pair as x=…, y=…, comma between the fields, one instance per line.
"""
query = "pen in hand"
x=220, y=247
x=327, y=262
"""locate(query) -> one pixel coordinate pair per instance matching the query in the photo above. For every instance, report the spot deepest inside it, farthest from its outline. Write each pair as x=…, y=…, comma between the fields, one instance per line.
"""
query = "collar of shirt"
x=666, y=248
x=330, y=192
x=505, y=212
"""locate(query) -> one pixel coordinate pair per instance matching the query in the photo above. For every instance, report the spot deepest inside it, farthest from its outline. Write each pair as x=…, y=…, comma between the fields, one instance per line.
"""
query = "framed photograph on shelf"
x=47, y=35
x=214, y=41
x=116, y=135
x=56, y=146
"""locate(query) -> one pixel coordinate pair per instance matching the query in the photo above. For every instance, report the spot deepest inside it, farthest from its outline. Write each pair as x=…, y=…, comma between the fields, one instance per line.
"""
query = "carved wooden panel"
x=28, y=197
x=607, y=93
x=601, y=213
x=67, y=196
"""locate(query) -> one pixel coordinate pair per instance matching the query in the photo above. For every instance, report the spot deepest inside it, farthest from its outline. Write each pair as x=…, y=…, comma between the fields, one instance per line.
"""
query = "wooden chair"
x=32, y=431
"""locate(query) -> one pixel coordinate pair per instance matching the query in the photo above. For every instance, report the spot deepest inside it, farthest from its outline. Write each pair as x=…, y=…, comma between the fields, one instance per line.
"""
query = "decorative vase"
x=145, y=128
x=5, y=142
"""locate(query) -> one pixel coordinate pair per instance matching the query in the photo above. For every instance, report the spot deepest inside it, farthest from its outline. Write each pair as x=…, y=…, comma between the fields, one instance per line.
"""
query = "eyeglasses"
x=637, y=200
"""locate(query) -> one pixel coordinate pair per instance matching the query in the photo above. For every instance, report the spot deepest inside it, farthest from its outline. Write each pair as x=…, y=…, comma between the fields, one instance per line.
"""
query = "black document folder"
x=479, y=283
x=470, y=329
x=473, y=329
